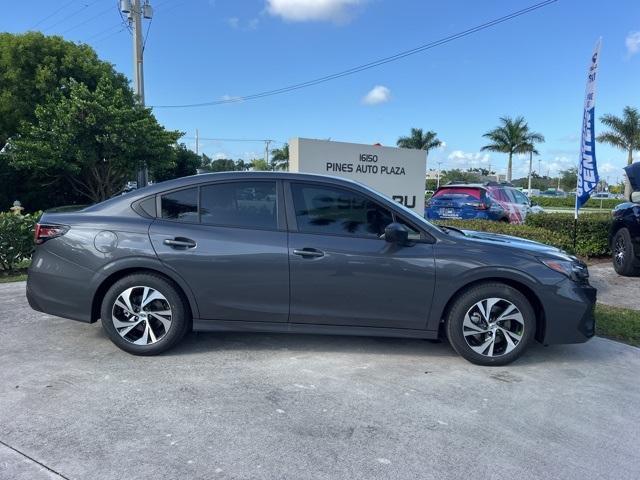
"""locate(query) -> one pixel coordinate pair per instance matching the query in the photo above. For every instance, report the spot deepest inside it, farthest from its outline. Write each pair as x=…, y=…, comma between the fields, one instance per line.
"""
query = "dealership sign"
x=396, y=172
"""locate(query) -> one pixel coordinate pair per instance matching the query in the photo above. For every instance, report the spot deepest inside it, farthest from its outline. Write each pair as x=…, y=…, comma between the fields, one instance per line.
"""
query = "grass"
x=18, y=274
x=13, y=277
x=618, y=324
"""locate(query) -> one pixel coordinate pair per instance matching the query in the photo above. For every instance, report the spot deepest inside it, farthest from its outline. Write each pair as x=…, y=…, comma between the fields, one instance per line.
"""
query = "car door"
x=521, y=202
x=342, y=270
x=228, y=241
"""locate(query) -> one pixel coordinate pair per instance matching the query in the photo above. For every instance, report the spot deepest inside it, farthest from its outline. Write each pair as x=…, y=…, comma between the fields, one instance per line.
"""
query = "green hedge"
x=592, y=233
x=570, y=201
x=16, y=238
x=554, y=229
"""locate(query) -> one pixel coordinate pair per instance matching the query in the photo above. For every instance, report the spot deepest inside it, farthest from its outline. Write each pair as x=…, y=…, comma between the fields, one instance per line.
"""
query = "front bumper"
x=569, y=313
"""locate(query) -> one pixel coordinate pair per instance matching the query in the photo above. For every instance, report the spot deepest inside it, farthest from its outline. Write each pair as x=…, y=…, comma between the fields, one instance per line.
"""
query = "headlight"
x=574, y=269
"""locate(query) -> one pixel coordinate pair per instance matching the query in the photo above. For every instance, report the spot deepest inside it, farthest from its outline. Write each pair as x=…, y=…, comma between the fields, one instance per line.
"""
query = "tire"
x=625, y=262
x=144, y=331
x=466, y=317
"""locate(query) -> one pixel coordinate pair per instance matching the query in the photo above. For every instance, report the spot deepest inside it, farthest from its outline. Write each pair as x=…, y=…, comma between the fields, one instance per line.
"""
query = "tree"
x=34, y=66
x=92, y=139
x=624, y=134
x=512, y=136
x=280, y=158
x=223, y=165
x=186, y=162
x=568, y=179
x=457, y=175
x=259, y=164
x=419, y=140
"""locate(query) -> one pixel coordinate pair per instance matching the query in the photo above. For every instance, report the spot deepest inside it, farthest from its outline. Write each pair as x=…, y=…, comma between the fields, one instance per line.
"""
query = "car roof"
x=193, y=180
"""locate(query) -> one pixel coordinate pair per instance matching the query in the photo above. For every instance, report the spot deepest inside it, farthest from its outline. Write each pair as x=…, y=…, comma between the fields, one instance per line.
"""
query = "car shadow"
x=198, y=343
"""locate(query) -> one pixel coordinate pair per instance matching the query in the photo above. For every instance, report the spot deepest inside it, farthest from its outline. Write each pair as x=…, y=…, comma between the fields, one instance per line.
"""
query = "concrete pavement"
x=266, y=406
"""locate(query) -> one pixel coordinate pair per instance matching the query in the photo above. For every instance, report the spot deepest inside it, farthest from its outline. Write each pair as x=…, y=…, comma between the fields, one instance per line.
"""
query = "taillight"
x=477, y=205
x=44, y=232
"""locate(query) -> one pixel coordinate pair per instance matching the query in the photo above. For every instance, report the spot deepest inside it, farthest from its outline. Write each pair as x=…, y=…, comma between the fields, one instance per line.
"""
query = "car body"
x=604, y=196
x=473, y=201
x=624, y=235
x=284, y=252
x=554, y=193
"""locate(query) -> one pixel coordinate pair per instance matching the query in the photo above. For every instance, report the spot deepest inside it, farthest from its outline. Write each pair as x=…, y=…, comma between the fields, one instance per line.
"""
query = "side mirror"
x=396, y=233
x=634, y=197
x=533, y=203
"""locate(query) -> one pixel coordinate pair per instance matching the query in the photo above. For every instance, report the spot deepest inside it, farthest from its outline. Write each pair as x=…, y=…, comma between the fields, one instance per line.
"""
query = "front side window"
x=181, y=206
x=239, y=204
x=331, y=210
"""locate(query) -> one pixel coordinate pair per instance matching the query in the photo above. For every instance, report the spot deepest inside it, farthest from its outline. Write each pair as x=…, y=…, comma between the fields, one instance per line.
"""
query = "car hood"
x=509, y=241
x=633, y=174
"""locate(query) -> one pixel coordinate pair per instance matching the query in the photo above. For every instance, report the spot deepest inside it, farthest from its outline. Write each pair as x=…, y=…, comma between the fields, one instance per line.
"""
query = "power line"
x=84, y=22
x=82, y=9
x=55, y=12
x=254, y=140
x=372, y=64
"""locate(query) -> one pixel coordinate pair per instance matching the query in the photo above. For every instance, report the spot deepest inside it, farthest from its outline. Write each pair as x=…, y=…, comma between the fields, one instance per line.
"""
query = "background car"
x=624, y=236
x=487, y=201
x=554, y=193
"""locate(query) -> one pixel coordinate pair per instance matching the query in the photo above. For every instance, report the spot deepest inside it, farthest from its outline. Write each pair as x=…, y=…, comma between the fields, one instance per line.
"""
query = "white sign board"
x=397, y=172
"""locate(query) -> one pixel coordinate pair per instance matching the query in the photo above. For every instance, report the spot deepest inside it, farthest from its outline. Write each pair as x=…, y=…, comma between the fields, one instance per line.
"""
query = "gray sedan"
x=281, y=252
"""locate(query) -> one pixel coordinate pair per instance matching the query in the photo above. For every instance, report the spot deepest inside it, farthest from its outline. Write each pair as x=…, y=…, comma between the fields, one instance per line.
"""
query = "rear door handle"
x=180, y=243
x=309, y=252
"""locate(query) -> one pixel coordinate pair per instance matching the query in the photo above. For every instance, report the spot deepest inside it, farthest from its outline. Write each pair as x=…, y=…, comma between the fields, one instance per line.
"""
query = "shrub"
x=555, y=229
x=570, y=202
x=537, y=234
x=16, y=238
x=592, y=233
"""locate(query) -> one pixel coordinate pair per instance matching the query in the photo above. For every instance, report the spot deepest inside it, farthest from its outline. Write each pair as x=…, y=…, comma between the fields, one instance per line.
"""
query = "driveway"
x=258, y=406
x=614, y=289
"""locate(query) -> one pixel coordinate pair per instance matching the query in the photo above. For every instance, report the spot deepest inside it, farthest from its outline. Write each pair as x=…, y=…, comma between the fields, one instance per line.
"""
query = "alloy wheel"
x=141, y=315
x=619, y=250
x=493, y=327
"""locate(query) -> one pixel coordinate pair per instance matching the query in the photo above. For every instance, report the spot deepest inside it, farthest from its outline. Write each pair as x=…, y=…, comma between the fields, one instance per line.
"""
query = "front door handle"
x=180, y=243
x=309, y=252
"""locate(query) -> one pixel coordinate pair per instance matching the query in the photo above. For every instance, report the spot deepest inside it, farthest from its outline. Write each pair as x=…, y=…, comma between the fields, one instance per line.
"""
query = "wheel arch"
x=116, y=275
x=523, y=288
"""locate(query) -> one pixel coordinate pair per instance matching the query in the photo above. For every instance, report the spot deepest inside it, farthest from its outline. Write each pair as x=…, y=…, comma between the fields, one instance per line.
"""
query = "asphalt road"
x=245, y=406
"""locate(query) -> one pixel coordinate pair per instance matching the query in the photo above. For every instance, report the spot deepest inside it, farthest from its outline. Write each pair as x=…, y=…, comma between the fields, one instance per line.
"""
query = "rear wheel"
x=625, y=261
x=491, y=324
x=144, y=314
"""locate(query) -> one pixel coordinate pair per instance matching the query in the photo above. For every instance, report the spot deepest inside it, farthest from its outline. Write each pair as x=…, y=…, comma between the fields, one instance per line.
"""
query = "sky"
x=209, y=50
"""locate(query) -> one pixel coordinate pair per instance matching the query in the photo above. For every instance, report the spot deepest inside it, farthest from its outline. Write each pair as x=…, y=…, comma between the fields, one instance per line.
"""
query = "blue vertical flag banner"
x=587, y=167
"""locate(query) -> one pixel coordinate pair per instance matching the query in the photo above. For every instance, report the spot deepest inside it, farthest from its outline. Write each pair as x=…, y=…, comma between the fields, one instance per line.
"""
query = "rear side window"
x=240, y=204
x=501, y=195
x=330, y=210
x=459, y=191
x=181, y=206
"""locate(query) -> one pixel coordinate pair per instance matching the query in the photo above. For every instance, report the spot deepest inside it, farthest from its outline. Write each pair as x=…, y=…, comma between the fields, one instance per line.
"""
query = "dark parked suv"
x=300, y=253
x=624, y=235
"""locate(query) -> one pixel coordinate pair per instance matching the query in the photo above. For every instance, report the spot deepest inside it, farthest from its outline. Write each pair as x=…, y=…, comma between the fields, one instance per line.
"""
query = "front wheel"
x=144, y=314
x=491, y=324
x=624, y=259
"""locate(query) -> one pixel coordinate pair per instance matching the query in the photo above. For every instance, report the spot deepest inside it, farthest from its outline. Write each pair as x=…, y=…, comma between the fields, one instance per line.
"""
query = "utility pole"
x=197, y=143
x=530, y=166
x=136, y=11
x=266, y=151
x=438, y=182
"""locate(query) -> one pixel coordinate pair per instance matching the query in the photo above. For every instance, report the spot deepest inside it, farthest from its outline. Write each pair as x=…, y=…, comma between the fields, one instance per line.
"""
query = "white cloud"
x=607, y=167
x=378, y=94
x=462, y=159
x=443, y=145
x=633, y=43
x=230, y=98
x=238, y=24
x=337, y=11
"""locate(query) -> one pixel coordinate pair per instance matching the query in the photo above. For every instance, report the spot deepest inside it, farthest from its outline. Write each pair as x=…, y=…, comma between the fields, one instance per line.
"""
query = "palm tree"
x=624, y=134
x=280, y=158
x=419, y=140
x=512, y=136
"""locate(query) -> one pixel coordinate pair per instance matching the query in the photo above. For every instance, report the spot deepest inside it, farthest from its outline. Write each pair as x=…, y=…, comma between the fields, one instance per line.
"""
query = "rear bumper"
x=570, y=314
x=59, y=287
